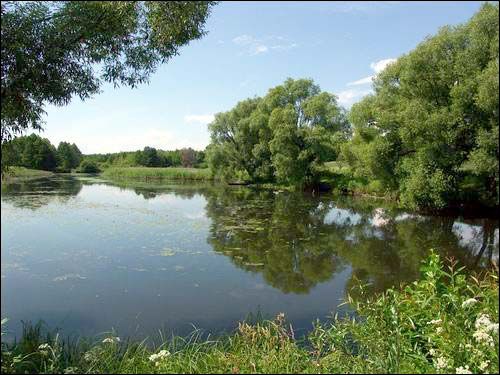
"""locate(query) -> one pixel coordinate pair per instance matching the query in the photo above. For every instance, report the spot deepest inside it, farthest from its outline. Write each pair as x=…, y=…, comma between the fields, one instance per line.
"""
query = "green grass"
x=445, y=323
x=21, y=173
x=146, y=173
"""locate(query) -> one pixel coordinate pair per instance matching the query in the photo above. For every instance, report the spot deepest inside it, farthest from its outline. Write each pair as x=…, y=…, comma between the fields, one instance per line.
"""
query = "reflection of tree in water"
x=37, y=193
x=274, y=235
x=297, y=241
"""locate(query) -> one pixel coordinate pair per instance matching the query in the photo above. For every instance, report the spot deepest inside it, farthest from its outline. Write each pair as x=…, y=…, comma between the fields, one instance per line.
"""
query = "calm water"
x=88, y=256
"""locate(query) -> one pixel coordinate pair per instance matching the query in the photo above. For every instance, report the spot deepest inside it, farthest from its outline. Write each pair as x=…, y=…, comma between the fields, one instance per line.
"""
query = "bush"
x=88, y=167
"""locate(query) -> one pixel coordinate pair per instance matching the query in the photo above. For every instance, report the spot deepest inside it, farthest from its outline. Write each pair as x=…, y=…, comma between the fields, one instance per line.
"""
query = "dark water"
x=88, y=256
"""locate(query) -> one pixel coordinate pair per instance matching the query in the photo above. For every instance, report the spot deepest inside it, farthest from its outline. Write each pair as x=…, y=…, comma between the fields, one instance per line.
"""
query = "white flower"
x=437, y=321
x=483, y=321
x=484, y=365
x=111, y=340
x=44, y=349
x=463, y=370
x=442, y=363
x=432, y=352
x=89, y=356
x=469, y=302
x=157, y=358
x=482, y=336
x=493, y=327
x=439, y=330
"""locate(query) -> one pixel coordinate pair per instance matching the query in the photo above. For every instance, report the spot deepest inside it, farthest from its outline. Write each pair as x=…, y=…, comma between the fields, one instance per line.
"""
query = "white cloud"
x=199, y=119
x=377, y=67
x=348, y=97
x=362, y=81
x=253, y=46
x=380, y=65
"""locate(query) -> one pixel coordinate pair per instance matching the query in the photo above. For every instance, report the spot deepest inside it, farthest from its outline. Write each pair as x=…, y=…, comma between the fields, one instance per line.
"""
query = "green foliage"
x=88, y=166
x=158, y=173
x=33, y=152
x=433, y=120
x=285, y=136
x=68, y=156
x=52, y=51
x=445, y=323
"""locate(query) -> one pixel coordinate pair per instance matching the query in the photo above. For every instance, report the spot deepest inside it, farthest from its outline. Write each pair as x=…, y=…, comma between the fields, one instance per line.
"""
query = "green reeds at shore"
x=447, y=322
x=146, y=173
x=21, y=173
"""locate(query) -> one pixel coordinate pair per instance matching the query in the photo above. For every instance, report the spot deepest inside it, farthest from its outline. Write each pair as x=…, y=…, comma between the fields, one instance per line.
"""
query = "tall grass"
x=445, y=323
x=146, y=173
x=22, y=173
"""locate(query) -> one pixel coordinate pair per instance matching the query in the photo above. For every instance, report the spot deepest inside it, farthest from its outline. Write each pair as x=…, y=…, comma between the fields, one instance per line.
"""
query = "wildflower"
x=44, y=349
x=484, y=365
x=482, y=336
x=157, y=358
x=439, y=330
x=463, y=370
x=483, y=321
x=89, y=356
x=433, y=352
x=437, y=321
x=111, y=340
x=442, y=363
x=469, y=302
x=483, y=328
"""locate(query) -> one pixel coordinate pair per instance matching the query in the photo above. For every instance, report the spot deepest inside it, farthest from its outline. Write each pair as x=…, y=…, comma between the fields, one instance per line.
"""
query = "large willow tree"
x=284, y=137
x=430, y=130
x=55, y=50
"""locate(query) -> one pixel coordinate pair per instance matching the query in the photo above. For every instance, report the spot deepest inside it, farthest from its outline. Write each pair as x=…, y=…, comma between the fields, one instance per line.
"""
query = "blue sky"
x=251, y=47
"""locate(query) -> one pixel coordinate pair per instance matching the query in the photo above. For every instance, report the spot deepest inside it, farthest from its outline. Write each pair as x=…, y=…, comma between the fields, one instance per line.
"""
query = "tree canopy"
x=430, y=130
x=52, y=51
x=281, y=137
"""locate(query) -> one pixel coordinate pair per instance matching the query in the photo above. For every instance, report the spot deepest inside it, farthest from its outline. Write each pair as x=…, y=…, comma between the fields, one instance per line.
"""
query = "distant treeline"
x=151, y=157
x=35, y=152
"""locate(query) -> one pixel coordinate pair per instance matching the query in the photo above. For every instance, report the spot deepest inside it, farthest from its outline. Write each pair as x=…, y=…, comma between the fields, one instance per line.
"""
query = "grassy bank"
x=21, y=173
x=445, y=323
x=146, y=173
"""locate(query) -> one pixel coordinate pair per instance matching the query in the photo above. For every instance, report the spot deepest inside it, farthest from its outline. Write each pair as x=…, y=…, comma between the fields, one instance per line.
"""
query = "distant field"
x=159, y=173
x=21, y=173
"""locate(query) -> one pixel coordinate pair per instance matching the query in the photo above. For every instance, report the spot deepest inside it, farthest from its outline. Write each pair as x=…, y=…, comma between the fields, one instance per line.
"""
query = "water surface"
x=86, y=255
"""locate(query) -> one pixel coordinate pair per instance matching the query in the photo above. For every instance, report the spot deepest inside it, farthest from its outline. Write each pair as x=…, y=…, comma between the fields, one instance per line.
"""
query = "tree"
x=285, y=136
x=188, y=157
x=148, y=157
x=430, y=130
x=68, y=156
x=30, y=151
x=52, y=51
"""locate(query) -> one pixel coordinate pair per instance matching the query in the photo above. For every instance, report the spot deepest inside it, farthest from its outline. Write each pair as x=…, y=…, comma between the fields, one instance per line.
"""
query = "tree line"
x=151, y=157
x=35, y=152
x=429, y=132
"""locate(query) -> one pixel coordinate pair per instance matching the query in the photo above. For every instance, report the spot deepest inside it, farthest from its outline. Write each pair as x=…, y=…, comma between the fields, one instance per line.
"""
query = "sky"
x=249, y=48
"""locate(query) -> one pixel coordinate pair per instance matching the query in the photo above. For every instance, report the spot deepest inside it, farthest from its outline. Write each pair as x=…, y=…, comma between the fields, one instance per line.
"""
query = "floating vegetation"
x=254, y=264
x=167, y=253
x=69, y=276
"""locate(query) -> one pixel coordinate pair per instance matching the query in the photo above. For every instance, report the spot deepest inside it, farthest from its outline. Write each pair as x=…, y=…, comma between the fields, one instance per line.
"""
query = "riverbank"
x=23, y=174
x=146, y=173
x=444, y=323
